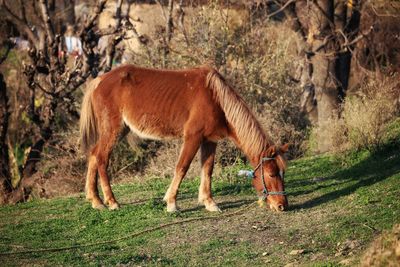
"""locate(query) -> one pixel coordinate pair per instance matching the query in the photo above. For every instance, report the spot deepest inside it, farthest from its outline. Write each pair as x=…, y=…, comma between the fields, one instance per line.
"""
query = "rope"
x=132, y=235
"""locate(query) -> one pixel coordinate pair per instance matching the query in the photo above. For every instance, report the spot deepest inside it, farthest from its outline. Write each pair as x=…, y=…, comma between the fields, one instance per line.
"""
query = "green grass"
x=333, y=200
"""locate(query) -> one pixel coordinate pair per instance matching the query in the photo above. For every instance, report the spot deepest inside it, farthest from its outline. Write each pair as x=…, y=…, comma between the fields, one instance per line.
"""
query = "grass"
x=338, y=206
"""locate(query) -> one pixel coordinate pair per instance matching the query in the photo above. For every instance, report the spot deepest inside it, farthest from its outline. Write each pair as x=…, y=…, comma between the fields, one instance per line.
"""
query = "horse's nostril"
x=281, y=207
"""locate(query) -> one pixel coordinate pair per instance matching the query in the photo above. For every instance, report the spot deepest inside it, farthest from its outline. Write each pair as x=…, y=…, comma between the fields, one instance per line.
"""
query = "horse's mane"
x=247, y=129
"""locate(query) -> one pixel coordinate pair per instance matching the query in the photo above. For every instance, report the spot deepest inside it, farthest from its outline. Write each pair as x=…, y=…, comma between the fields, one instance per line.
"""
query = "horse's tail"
x=88, y=123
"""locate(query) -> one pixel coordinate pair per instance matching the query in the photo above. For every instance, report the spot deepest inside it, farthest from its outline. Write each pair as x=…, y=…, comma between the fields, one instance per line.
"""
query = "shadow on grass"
x=224, y=205
x=374, y=169
x=136, y=202
x=226, y=190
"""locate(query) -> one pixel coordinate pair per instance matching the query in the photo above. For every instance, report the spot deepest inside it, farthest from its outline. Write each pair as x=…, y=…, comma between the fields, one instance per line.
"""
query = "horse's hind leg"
x=207, y=164
x=189, y=149
x=92, y=193
x=104, y=148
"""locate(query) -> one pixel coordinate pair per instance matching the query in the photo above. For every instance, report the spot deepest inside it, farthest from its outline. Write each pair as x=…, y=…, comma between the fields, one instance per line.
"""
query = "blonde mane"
x=249, y=132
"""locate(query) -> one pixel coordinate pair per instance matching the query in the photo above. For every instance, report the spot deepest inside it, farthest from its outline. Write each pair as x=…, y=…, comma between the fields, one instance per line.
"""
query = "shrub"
x=367, y=115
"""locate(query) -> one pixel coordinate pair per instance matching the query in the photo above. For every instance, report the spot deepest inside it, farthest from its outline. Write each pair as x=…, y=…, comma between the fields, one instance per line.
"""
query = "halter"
x=265, y=190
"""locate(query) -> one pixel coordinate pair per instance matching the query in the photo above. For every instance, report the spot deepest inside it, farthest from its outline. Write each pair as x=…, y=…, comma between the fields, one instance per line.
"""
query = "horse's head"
x=269, y=177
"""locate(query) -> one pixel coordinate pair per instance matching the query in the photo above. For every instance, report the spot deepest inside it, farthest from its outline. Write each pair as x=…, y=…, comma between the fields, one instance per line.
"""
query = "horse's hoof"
x=213, y=208
x=172, y=208
x=114, y=206
x=98, y=206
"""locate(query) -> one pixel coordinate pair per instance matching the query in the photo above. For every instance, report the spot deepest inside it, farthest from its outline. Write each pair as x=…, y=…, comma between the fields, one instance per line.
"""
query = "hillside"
x=338, y=205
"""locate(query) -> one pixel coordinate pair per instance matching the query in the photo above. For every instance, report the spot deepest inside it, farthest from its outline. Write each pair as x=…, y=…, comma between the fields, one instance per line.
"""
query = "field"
x=321, y=75
x=338, y=205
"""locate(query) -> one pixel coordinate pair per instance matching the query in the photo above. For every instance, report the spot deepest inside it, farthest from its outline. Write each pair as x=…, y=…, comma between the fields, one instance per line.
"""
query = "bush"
x=367, y=115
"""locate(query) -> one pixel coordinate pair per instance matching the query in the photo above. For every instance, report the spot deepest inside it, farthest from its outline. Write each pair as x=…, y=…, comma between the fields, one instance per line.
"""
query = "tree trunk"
x=305, y=69
x=350, y=28
x=5, y=175
x=322, y=41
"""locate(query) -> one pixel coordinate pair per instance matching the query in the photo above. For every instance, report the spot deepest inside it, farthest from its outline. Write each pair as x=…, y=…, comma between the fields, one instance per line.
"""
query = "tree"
x=329, y=30
x=5, y=174
x=48, y=76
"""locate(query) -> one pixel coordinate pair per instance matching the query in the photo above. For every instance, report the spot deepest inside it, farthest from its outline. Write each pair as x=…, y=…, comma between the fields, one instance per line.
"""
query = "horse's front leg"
x=207, y=165
x=190, y=146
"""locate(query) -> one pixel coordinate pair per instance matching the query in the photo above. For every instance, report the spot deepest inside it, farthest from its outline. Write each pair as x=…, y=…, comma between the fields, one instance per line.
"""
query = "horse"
x=197, y=105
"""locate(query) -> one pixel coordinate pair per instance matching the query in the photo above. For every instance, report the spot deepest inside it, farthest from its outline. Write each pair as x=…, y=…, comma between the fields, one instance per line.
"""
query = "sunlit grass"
x=333, y=199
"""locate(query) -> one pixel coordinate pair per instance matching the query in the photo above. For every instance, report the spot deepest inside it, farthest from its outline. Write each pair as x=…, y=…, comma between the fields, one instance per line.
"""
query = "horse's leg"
x=190, y=146
x=92, y=194
x=105, y=145
x=207, y=165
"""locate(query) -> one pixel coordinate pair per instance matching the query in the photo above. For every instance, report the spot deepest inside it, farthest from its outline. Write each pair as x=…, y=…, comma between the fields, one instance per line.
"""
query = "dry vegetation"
x=385, y=250
x=366, y=116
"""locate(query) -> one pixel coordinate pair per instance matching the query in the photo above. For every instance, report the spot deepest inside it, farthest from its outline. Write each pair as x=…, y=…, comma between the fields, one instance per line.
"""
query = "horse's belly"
x=152, y=128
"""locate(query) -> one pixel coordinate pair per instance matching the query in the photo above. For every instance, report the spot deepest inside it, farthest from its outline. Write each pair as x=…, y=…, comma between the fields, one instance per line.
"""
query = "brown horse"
x=196, y=105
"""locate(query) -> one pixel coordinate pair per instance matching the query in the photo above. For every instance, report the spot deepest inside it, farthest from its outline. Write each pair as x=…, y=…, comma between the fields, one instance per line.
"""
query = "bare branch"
x=47, y=22
x=20, y=23
x=323, y=12
x=383, y=15
x=168, y=18
x=170, y=25
x=344, y=47
x=324, y=43
x=114, y=40
x=358, y=38
x=118, y=16
x=162, y=10
x=93, y=17
x=23, y=13
x=38, y=85
x=181, y=19
x=281, y=9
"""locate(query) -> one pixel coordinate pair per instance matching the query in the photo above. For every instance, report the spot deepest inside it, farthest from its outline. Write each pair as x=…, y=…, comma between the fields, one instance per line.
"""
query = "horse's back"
x=159, y=104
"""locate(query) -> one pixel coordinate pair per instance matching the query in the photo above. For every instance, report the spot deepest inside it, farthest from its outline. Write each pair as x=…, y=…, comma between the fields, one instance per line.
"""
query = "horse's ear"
x=271, y=151
x=283, y=149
